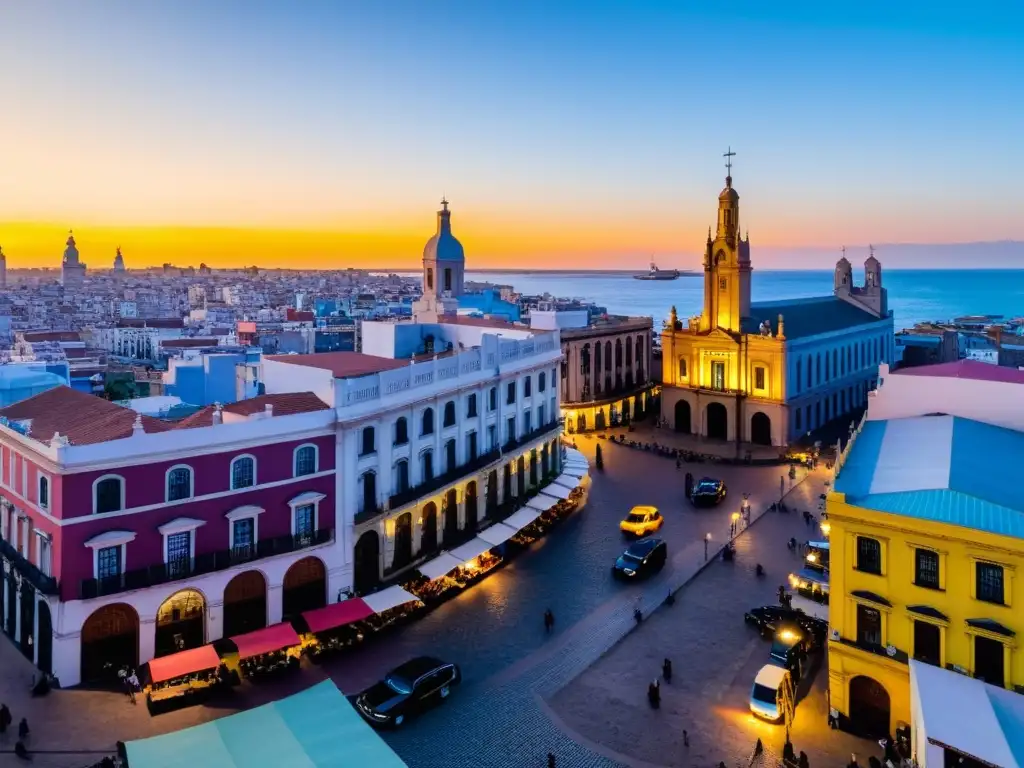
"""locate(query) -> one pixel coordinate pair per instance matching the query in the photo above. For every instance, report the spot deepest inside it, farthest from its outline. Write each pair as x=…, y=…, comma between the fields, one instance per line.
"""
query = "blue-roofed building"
x=489, y=302
x=769, y=373
x=926, y=520
x=214, y=377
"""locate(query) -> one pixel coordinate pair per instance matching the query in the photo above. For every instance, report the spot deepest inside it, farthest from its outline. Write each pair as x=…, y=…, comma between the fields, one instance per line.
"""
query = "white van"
x=772, y=697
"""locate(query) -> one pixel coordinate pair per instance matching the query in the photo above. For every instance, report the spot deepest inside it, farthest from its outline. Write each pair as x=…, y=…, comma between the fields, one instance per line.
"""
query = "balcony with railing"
x=31, y=573
x=208, y=562
x=887, y=652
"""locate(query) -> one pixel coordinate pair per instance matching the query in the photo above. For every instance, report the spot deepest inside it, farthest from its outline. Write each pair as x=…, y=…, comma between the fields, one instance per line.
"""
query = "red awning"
x=183, y=663
x=265, y=640
x=337, y=614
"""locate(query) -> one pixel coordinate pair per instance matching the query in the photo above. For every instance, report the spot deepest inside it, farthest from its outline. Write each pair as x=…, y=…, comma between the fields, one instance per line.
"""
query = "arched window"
x=629, y=351
x=243, y=472
x=427, y=426
x=542, y=380
x=179, y=483
x=368, y=480
x=817, y=364
x=607, y=355
x=369, y=442
x=44, y=492
x=427, y=466
x=401, y=431
x=449, y=456
x=305, y=460
x=449, y=413
x=799, y=377
x=108, y=494
x=682, y=367
x=401, y=476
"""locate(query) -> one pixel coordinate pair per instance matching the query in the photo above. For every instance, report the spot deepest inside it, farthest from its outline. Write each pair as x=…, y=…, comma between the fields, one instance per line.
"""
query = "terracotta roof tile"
x=967, y=369
x=31, y=336
x=285, y=404
x=343, y=364
x=192, y=342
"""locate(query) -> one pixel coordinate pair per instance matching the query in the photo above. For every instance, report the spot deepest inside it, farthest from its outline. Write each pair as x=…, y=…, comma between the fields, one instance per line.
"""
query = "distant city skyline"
x=238, y=133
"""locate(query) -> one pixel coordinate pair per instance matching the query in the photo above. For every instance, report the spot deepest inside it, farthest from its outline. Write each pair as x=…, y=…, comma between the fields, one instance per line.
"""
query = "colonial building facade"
x=126, y=537
x=767, y=373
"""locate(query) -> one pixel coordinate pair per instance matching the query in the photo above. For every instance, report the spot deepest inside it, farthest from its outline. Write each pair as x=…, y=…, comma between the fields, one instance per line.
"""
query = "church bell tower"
x=726, y=264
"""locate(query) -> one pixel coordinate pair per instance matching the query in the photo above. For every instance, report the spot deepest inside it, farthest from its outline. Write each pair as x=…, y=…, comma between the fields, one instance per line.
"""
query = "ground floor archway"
x=428, y=529
x=471, y=506
x=110, y=640
x=451, y=517
x=403, y=541
x=44, y=640
x=717, y=421
x=11, y=612
x=366, y=563
x=869, y=707
x=760, y=429
x=245, y=603
x=180, y=623
x=28, y=621
x=492, y=493
x=682, y=417
x=305, y=587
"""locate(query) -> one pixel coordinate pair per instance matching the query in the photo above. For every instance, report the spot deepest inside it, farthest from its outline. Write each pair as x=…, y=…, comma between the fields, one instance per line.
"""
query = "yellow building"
x=769, y=372
x=927, y=538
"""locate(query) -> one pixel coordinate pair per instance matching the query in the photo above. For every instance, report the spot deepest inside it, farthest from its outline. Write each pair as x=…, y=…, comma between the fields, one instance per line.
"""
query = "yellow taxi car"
x=642, y=521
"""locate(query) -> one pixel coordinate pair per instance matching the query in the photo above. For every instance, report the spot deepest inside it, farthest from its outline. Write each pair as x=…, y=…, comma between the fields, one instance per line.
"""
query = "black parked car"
x=770, y=618
x=642, y=559
x=708, y=492
x=407, y=689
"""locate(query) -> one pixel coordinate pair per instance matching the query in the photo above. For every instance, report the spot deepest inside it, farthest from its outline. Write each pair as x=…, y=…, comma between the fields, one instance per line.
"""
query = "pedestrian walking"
x=5, y=718
x=686, y=738
x=549, y=620
x=666, y=670
x=23, y=729
x=654, y=695
x=803, y=762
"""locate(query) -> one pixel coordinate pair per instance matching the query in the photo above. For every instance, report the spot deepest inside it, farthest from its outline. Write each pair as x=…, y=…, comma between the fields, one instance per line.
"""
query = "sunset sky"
x=566, y=134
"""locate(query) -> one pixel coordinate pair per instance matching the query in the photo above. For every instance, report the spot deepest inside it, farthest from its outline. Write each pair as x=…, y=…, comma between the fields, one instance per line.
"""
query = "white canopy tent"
x=541, y=502
x=497, y=534
x=523, y=518
x=471, y=549
x=567, y=481
x=573, y=471
x=392, y=597
x=439, y=566
x=559, y=491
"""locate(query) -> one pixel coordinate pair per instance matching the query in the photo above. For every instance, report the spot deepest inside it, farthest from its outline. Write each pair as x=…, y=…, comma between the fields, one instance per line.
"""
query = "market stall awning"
x=389, y=598
x=578, y=472
x=574, y=454
x=541, y=502
x=317, y=728
x=183, y=663
x=439, y=566
x=337, y=614
x=266, y=640
x=558, y=491
x=522, y=518
x=472, y=549
x=568, y=481
x=497, y=534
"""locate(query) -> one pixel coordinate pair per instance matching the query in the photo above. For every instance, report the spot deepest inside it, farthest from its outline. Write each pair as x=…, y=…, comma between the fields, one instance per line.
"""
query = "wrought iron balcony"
x=45, y=584
x=878, y=650
x=435, y=483
x=208, y=562
x=529, y=437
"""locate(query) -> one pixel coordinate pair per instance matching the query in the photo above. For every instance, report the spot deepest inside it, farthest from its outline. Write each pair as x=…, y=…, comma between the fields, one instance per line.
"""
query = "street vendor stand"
x=268, y=651
x=181, y=679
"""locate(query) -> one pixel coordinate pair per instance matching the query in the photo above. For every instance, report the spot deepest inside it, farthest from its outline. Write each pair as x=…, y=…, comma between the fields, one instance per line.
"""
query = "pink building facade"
x=125, y=537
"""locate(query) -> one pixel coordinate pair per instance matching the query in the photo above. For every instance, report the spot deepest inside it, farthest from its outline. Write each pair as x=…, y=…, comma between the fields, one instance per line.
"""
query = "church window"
x=759, y=378
x=430, y=278
x=682, y=367
x=817, y=365
x=447, y=278
x=798, y=371
x=827, y=368
x=607, y=355
x=718, y=376
x=810, y=383
x=835, y=362
x=722, y=284
x=797, y=413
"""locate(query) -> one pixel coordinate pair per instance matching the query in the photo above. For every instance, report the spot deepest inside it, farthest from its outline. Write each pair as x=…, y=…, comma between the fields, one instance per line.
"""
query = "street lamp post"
x=745, y=508
x=707, y=540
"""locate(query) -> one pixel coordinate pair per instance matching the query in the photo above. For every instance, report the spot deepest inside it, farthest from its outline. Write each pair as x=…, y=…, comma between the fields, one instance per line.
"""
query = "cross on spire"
x=728, y=162
x=444, y=203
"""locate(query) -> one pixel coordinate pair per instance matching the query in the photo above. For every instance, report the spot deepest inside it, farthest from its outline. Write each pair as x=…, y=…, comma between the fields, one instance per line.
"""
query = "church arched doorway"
x=180, y=623
x=109, y=636
x=682, y=417
x=305, y=587
x=366, y=568
x=760, y=429
x=869, y=708
x=44, y=642
x=245, y=604
x=718, y=421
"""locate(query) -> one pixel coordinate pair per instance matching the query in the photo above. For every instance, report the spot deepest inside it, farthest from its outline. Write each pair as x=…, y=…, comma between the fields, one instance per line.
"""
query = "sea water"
x=914, y=295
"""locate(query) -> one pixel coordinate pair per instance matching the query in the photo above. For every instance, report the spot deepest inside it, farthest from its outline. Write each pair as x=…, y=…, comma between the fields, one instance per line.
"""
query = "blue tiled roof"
x=981, y=489
x=807, y=317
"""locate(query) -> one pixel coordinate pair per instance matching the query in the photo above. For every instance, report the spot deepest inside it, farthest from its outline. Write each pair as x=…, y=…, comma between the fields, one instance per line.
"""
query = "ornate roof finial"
x=444, y=203
x=729, y=155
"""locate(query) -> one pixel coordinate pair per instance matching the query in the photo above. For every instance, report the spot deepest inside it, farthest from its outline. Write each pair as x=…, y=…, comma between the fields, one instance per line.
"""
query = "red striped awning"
x=266, y=640
x=337, y=614
x=183, y=663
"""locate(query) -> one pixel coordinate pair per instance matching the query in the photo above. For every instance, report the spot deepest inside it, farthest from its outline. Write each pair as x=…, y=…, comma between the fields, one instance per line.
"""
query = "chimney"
x=137, y=428
x=268, y=410
x=218, y=418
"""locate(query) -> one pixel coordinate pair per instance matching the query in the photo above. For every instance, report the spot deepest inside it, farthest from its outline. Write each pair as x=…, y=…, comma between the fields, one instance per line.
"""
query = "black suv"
x=708, y=492
x=771, y=618
x=642, y=559
x=407, y=689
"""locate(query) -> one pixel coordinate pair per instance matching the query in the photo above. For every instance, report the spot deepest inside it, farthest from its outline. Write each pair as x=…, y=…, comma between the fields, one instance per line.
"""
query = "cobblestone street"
x=494, y=631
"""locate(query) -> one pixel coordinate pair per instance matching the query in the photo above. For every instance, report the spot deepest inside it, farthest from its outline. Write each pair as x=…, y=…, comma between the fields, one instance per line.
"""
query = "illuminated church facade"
x=769, y=372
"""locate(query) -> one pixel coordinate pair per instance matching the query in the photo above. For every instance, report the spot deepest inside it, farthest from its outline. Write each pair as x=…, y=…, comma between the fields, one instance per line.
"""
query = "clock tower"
x=726, y=265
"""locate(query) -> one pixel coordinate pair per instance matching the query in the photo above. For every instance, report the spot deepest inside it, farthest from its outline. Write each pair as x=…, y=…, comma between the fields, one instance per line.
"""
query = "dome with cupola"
x=443, y=246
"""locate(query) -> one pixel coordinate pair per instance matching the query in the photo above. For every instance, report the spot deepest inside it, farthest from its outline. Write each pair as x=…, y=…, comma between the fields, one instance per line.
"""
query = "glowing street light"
x=707, y=540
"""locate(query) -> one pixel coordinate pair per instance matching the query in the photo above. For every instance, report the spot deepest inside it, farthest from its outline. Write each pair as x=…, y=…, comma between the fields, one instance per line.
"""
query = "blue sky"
x=587, y=128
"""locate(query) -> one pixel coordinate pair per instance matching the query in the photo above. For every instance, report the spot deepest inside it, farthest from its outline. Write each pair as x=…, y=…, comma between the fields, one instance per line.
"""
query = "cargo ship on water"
x=658, y=274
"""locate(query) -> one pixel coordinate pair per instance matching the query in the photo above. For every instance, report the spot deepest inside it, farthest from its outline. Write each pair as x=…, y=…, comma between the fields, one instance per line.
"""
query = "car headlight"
x=628, y=571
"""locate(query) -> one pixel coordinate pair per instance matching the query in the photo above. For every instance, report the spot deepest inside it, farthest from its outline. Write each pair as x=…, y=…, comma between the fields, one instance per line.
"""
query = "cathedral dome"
x=443, y=246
